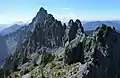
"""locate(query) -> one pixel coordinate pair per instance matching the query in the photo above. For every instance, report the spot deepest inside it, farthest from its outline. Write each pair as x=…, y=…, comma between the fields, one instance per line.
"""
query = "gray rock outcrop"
x=105, y=54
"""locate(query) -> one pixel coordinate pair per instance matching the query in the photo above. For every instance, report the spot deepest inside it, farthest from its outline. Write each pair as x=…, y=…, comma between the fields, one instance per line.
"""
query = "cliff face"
x=55, y=50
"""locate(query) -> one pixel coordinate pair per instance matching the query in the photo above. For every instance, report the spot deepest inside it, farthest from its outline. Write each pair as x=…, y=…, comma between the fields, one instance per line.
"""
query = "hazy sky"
x=25, y=10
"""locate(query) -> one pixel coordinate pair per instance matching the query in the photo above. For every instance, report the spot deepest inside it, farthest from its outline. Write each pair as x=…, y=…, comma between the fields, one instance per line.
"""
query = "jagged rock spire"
x=75, y=28
x=70, y=23
x=78, y=22
x=42, y=10
x=81, y=29
x=42, y=14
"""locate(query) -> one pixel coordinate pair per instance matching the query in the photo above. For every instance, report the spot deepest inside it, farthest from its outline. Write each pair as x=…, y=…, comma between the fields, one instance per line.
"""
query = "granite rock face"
x=47, y=35
x=74, y=28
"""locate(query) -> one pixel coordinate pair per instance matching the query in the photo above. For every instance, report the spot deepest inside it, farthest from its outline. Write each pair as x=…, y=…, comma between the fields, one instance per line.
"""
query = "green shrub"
x=66, y=53
x=46, y=58
x=103, y=27
x=97, y=28
x=52, y=65
x=1, y=73
x=58, y=67
x=109, y=28
x=24, y=71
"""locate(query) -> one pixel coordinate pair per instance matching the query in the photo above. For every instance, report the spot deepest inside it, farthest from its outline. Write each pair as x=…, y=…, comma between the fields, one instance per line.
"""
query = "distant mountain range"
x=91, y=25
x=7, y=29
x=10, y=29
x=3, y=26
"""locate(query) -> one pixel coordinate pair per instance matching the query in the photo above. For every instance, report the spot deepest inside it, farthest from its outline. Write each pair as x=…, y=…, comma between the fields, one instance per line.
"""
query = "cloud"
x=65, y=16
x=66, y=8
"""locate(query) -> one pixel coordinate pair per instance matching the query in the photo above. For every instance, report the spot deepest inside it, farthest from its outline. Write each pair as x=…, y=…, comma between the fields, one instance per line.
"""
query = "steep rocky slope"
x=3, y=50
x=53, y=50
x=13, y=40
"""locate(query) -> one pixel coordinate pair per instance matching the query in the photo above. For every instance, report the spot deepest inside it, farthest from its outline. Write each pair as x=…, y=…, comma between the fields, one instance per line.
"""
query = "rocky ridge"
x=54, y=50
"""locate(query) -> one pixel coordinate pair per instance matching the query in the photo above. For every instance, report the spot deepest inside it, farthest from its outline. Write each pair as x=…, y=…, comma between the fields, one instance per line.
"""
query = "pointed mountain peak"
x=42, y=10
x=41, y=16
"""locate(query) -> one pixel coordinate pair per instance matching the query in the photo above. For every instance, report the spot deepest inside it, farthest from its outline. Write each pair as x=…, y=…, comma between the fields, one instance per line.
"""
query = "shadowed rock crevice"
x=74, y=54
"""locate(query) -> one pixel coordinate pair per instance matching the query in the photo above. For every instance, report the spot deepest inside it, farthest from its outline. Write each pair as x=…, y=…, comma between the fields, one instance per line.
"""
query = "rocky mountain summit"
x=14, y=39
x=55, y=50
